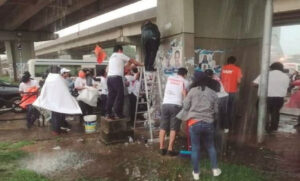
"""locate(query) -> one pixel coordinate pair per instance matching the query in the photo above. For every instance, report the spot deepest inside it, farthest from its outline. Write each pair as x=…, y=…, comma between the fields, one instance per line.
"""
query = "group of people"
x=207, y=99
x=200, y=103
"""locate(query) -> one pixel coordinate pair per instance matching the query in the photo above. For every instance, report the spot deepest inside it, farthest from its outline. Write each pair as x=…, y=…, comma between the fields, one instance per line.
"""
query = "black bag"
x=74, y=93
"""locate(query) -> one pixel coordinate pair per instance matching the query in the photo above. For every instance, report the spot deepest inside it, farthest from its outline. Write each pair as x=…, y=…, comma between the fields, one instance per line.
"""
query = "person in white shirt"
x=103, y=91
x=277, y=89
x=25, y=87
x=132, y=80
x=115, y=84
x=222, y=100
x=175, y=92
x=80, y=84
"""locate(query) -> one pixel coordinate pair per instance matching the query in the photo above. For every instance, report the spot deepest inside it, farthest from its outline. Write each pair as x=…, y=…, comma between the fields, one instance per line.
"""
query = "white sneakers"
x=195, y=175
x=226, y=130
x=216, y=172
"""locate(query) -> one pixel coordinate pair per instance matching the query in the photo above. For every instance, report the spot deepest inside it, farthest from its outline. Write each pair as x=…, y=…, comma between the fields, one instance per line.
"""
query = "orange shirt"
x=230, y=77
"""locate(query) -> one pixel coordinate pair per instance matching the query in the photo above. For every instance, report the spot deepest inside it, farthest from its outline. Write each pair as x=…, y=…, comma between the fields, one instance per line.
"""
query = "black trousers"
x=231, y=110
x=223, y=112
x=274, y=104
x=151, y=47
x=132, y=102
x=31, y=115
x=103, y=102
x=115, y=95
x=57, y=120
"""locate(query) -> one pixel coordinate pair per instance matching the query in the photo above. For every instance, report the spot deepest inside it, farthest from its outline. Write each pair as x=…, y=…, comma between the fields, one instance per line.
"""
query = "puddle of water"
x=55, y=162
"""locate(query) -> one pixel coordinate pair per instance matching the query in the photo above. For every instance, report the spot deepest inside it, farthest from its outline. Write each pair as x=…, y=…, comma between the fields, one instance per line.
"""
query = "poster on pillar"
x=21, y=68
x=207, y=59
x=172, y=60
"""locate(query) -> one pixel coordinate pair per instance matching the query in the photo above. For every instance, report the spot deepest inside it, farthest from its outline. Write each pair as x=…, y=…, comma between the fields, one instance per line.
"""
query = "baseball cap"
x=64, y=70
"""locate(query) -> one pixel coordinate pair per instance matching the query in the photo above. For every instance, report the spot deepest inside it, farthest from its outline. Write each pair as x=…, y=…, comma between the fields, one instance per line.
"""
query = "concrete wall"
x=236, y=27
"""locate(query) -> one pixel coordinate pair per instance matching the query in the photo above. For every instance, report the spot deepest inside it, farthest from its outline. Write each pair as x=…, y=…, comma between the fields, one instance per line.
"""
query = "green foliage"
x=25, y=175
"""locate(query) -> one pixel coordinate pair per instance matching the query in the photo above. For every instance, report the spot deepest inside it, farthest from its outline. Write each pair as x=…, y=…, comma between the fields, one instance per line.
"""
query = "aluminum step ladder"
x=150, y=94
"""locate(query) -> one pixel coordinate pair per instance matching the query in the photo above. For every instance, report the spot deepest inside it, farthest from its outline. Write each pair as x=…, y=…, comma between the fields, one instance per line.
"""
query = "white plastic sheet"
x=89, y=95
x=55, y=96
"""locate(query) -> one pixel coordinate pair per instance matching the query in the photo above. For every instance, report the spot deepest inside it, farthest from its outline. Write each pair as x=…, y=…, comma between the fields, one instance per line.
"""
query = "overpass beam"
x=26, y=36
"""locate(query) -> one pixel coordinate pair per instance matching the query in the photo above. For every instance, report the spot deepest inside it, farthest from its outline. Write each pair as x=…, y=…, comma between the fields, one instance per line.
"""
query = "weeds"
x=10, y=154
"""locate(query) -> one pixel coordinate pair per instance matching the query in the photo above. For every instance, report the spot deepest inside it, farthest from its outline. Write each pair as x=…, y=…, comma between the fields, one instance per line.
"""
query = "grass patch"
x=25, y=175
x=181, y=170
x=10, y=154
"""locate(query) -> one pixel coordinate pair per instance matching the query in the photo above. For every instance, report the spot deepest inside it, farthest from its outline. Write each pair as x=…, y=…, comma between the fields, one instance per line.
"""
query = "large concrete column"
x=236, y=28
x=175, y=20
x=18, y=53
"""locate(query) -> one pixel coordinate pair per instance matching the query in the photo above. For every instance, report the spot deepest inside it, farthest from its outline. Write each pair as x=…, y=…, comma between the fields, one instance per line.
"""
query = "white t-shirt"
x=80, y=83
x=103, y=86
x=23, y=87
x=131, y=81
x=116, y=64
x=222, y=92
x=174, y=89
x=278, y=83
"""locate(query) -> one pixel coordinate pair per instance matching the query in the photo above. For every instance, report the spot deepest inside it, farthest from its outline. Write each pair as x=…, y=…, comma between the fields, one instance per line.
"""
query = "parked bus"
x=37, y=67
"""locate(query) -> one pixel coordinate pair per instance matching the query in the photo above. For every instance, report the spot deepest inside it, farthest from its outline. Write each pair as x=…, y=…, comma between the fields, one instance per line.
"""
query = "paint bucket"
x=90, y=123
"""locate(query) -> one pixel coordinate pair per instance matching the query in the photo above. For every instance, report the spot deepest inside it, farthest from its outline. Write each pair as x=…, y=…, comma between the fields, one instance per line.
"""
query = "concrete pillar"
x=18, y=53
x=236, y=28
x=177, y=32
x=226, y=28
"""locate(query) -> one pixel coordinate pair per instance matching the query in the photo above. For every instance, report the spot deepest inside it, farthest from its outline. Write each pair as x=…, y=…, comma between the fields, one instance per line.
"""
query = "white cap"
x=64, y=70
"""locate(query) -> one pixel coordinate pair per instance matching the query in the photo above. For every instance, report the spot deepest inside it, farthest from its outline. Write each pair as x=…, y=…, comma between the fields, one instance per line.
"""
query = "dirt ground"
x=78, y=155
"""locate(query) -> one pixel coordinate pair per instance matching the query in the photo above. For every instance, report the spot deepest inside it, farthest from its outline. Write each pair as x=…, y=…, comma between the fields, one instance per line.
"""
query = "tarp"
x=55, y=96
x=89, y=95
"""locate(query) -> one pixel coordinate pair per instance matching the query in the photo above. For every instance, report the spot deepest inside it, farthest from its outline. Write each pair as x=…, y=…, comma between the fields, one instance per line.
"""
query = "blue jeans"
x=204, y=131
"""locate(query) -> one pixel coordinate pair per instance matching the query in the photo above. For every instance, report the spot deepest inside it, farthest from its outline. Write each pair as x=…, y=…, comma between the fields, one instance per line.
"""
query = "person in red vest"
x=231, y=76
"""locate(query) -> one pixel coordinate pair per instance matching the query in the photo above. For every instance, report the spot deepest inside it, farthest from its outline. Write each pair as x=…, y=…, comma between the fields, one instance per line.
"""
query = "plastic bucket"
x=90, y=123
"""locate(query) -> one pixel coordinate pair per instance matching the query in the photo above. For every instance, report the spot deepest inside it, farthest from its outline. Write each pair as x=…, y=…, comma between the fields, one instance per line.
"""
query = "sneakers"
x=195, y=175
x=226, y=130
x=172, y=153
x=216, y=172
x=163, y=152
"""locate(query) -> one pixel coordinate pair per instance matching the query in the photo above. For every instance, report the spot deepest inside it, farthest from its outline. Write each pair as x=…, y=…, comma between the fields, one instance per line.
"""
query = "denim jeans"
x=204, y=131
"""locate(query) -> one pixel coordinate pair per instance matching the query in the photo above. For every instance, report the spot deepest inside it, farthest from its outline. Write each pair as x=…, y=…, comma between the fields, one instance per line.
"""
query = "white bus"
x=37, y=67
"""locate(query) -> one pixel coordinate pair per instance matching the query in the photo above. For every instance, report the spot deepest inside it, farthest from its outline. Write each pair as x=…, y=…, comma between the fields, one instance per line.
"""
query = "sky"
x=290, y=39
x=126, y=10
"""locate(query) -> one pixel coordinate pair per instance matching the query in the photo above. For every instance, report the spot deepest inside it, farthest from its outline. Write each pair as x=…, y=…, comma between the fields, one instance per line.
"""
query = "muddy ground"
x=77, y=155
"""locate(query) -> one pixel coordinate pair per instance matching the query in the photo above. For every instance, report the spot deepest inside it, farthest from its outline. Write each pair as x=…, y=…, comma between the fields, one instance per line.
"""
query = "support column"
x=177, y=32
x=18, y=53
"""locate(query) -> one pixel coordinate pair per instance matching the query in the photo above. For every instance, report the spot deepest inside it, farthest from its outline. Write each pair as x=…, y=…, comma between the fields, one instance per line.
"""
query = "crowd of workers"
x=199, y=103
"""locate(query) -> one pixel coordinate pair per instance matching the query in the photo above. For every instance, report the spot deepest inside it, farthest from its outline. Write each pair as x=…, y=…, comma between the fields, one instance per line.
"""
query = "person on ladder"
x=176, y=89
x=115, y=83
x=150, y=42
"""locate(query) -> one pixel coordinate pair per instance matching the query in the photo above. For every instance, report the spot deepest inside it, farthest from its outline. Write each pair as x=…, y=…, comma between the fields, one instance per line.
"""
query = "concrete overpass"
x=26, y=21
x=125, y=30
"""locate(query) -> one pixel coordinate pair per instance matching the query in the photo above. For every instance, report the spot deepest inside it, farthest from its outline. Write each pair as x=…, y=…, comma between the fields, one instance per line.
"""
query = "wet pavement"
x=278, y=156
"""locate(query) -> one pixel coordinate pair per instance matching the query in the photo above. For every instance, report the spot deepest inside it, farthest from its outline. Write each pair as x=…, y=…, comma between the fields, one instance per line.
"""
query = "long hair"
x=200, y=80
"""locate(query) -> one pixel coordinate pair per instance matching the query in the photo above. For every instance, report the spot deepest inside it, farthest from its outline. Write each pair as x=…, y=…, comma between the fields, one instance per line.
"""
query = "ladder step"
x=141, y=112
x=141, y=103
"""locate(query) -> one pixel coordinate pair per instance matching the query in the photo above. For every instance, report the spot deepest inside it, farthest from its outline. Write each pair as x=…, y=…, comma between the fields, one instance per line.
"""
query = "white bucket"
x=90, y=123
